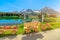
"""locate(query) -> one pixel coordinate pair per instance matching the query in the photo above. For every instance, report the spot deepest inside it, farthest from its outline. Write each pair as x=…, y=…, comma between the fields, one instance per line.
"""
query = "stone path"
x=47, y=35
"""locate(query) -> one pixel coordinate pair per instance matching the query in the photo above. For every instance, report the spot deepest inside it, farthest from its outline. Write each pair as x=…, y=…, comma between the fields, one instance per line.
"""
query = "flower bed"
x=28, y=27
x=35, y=26
x=46, y=26
x=31, y=26
x=8, y=30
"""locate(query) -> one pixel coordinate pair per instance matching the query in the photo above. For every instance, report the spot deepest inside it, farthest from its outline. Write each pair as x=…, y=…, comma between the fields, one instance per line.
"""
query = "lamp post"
x=24, y=18
x=42, y=17
x=24, y=13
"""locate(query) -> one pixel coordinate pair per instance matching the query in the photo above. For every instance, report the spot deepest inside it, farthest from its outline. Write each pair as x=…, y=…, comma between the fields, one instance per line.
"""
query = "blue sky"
x=12, y=5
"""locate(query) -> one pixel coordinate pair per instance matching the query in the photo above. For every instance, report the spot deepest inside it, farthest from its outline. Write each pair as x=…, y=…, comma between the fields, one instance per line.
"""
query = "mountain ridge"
x=46, y=10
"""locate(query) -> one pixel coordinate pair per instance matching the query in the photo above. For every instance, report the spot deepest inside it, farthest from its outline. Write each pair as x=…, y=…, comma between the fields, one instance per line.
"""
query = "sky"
x=18, y=5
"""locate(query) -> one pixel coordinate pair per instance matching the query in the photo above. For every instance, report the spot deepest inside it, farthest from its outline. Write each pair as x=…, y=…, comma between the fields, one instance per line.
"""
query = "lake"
x=10, y=22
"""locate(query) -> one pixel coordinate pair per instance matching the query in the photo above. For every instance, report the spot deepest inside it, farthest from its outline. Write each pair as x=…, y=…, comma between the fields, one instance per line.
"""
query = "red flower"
x=7, y=27
x=14, y=27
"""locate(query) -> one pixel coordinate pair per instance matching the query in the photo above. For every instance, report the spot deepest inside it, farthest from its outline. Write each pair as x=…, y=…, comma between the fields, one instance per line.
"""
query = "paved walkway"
x=47, y=35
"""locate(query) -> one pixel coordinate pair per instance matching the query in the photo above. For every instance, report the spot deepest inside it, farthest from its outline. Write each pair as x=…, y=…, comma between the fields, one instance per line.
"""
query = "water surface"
x=10, y=22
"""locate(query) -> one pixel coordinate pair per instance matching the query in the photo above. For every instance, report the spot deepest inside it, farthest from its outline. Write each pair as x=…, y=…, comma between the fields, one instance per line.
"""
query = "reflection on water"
x=10, y=22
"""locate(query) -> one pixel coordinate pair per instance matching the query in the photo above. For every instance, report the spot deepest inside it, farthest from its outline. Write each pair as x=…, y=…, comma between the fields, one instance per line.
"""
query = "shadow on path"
x=33, y=36
x=10, y=37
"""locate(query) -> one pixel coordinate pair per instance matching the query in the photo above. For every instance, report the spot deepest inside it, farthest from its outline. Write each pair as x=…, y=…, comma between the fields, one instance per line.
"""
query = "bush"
x=46, y=26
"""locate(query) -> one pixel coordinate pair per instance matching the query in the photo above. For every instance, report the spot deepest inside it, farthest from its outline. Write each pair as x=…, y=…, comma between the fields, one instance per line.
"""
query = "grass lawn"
x=55, y=25
x=20, y=29
x=51, y=18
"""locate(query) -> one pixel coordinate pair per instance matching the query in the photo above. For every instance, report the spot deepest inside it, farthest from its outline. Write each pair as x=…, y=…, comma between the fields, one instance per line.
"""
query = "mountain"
x=29, y=10
x=26, y=12
x=45, y=10
x=48, y=11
